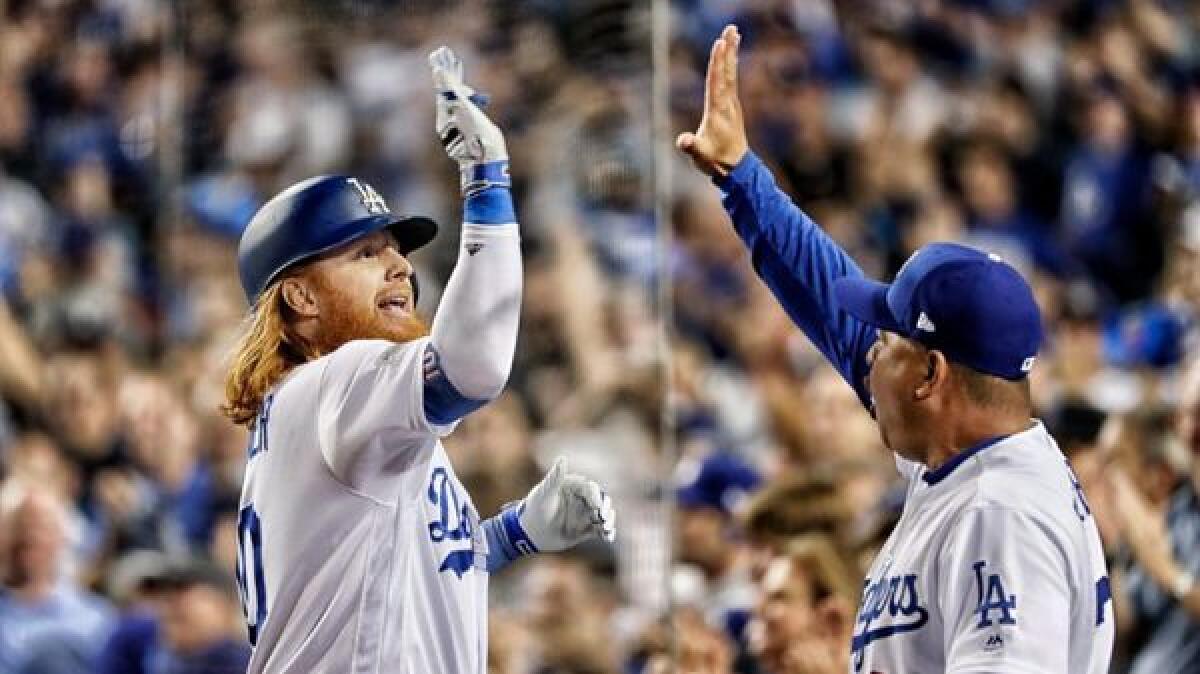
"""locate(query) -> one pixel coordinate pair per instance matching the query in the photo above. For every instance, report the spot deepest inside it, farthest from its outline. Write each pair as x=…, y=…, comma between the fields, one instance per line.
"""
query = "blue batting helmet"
x=314, y=216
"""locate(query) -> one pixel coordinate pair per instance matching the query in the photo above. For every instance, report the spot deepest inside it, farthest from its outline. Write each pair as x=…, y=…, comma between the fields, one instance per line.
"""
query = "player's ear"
x=298, y=295
x=937, y=369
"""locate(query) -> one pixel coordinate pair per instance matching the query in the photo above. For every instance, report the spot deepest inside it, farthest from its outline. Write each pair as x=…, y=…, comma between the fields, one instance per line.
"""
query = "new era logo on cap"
x=923, y=323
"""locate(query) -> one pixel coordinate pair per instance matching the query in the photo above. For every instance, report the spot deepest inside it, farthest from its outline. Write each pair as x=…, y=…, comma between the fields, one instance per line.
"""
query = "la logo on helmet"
x=371, y=200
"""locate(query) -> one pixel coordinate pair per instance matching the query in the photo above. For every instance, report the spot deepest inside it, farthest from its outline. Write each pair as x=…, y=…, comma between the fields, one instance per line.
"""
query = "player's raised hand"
x=565, y=509
x=720, y=142
x=469, y=136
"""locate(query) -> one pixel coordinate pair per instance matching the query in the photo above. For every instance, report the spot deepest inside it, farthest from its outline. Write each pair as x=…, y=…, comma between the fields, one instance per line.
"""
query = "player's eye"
x=367, y=251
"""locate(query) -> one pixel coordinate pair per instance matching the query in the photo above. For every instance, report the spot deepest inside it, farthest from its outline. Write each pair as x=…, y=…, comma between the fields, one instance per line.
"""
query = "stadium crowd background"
x=137, y=137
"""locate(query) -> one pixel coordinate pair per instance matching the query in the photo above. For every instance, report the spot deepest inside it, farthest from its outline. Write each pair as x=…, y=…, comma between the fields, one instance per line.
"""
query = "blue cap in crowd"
x=721, y=482
x=970, y=305
x=1145, y=335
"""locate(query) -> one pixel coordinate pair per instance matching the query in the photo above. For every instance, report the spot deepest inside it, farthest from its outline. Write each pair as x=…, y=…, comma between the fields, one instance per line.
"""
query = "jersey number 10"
x=251, y=585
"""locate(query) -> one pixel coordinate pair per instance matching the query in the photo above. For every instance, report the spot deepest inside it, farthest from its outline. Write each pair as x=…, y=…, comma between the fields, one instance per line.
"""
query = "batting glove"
x=565, y=509
x=470, y=138
x=560, y=512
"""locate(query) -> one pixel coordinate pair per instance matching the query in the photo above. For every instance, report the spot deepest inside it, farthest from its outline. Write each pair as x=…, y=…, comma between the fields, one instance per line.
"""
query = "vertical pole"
x=660, y=39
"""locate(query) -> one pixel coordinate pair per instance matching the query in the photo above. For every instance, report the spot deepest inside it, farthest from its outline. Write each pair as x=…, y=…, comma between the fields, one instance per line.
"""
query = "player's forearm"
x=475, y=330
x=799, y=262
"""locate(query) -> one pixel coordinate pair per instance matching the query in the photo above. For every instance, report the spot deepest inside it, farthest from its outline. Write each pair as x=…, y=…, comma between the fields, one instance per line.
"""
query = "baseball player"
x=359, y=550
x=996, y=563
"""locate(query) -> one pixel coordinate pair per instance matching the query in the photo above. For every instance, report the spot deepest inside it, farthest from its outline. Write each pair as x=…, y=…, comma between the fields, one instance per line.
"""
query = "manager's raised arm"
x=798, y=261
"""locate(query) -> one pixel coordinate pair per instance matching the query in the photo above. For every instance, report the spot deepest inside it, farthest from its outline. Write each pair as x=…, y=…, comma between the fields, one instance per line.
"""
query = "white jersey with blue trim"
x=359, y=549
x=995, y=565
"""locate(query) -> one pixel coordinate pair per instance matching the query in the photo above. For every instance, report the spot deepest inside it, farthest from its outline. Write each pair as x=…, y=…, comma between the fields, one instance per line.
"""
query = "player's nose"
x=398, y=266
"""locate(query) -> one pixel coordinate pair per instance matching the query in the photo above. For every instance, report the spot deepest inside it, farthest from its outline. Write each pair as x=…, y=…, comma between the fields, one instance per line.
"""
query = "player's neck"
x=977, y=427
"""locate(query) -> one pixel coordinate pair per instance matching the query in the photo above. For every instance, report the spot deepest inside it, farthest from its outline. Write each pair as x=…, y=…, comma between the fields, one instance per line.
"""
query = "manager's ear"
x=937, y=371
x=298, y=295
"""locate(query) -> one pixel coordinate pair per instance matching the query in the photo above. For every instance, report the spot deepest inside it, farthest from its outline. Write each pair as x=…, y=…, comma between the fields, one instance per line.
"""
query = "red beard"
x=344, y=319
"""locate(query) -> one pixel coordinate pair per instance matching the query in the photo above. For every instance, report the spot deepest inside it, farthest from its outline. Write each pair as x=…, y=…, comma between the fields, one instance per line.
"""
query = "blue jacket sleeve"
x=799, y=263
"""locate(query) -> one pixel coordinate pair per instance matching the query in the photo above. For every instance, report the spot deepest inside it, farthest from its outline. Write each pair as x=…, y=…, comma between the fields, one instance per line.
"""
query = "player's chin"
x=401, y=326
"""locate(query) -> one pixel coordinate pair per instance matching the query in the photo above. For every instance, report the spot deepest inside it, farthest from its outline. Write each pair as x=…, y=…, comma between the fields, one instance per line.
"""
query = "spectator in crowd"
x=805, y=613
x=201, y=624
x=48, y=623
x=790, y=507
x=555, y=588
x=715, y=574
x=136, y=583
x=1154, y=485
x=699, y=647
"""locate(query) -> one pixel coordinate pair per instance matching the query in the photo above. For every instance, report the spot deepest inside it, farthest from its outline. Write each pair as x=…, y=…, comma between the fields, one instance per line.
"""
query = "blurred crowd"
x=137, y=137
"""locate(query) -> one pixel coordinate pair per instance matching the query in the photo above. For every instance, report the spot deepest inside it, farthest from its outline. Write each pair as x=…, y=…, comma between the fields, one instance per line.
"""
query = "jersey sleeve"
x=371, y=408
x=1004, y=594
x=474, y=333
x=800, y=264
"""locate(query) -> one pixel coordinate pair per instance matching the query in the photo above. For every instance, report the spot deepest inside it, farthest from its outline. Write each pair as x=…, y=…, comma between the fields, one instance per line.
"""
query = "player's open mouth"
x=394, y=305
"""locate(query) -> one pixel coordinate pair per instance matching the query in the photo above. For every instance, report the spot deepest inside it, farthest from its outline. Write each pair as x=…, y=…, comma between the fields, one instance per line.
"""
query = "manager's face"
x=899, y=369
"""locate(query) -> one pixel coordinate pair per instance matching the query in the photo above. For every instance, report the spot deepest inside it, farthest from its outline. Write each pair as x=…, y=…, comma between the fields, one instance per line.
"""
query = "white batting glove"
x=566, y=509
x=470, y=138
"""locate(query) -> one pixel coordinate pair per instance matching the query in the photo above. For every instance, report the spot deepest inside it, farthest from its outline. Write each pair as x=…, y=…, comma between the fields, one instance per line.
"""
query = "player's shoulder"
x=362, y=355
x=353, y=359
x=1028, y=474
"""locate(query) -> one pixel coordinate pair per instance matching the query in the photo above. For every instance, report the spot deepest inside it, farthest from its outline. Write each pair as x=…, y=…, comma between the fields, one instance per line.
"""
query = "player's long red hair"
x=268, y=348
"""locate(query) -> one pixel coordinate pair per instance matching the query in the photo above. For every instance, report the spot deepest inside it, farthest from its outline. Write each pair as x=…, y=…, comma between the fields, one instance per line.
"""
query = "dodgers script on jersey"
x=995, y=566
x=359, y=550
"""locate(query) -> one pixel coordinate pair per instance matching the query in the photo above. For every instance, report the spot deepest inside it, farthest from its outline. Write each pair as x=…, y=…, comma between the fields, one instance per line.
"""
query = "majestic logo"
x=993, y=598
x=895, y=595
x=456, y=521
x=994, y=643
x=371, y=200
x=473, y=248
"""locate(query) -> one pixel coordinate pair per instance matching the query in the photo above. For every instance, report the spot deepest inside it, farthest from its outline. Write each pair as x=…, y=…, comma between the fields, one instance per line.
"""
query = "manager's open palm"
x=720, y=142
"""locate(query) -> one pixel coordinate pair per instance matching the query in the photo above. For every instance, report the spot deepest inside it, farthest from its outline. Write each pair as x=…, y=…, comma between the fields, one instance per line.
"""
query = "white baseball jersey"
x=359, y=550
x=995, y=566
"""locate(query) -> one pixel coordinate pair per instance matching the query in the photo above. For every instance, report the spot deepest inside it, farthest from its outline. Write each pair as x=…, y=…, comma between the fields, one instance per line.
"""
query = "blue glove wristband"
x=490, y=206
x=479, y=177
x=506, y=538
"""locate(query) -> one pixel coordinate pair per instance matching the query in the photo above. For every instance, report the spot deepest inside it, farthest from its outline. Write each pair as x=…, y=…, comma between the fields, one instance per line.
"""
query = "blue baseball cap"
x=721, y=481
x=970, y=305
x=1144, y=335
